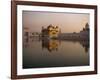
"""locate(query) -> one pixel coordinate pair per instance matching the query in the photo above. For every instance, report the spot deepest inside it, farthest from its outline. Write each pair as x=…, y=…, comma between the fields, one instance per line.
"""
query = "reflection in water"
x=36, y=53
x=53, y=44
x=50, y=45
x=85, y=45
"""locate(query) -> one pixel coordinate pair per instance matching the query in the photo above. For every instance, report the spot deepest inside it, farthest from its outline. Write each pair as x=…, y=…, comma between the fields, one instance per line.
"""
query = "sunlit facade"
x=51, y=31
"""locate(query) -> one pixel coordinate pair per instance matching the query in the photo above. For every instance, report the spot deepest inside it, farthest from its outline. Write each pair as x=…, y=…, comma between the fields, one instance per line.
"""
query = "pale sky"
x=68, y=22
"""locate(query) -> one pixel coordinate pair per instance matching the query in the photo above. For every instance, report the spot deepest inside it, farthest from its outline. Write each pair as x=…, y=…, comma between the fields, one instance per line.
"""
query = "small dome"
x=50, y=26
x=56, y=26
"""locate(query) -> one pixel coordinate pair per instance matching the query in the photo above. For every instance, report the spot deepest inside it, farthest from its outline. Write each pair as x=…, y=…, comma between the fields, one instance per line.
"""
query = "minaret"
x=42, y=30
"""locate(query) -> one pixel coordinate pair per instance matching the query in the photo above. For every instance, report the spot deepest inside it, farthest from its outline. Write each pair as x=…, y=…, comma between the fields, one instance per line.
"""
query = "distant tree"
x=87, y=26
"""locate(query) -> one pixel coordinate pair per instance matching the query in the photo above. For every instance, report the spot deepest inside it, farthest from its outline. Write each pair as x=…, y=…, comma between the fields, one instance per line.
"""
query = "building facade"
x=82, y=35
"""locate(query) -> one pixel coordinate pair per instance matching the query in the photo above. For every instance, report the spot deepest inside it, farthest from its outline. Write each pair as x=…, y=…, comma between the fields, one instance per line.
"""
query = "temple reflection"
x=51, y=44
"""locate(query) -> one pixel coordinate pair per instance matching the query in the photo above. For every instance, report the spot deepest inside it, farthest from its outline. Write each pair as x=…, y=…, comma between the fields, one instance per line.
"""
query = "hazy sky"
x=68, y=22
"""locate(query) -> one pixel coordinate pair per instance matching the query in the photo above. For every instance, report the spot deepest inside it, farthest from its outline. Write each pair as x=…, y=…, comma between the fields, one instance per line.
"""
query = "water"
x=39, y=53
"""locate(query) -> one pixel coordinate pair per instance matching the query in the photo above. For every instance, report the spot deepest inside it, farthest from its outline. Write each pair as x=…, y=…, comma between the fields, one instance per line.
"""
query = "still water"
x=40, y=53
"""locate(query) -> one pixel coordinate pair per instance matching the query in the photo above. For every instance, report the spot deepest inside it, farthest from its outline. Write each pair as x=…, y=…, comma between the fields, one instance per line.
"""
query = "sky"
x=67, y=22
